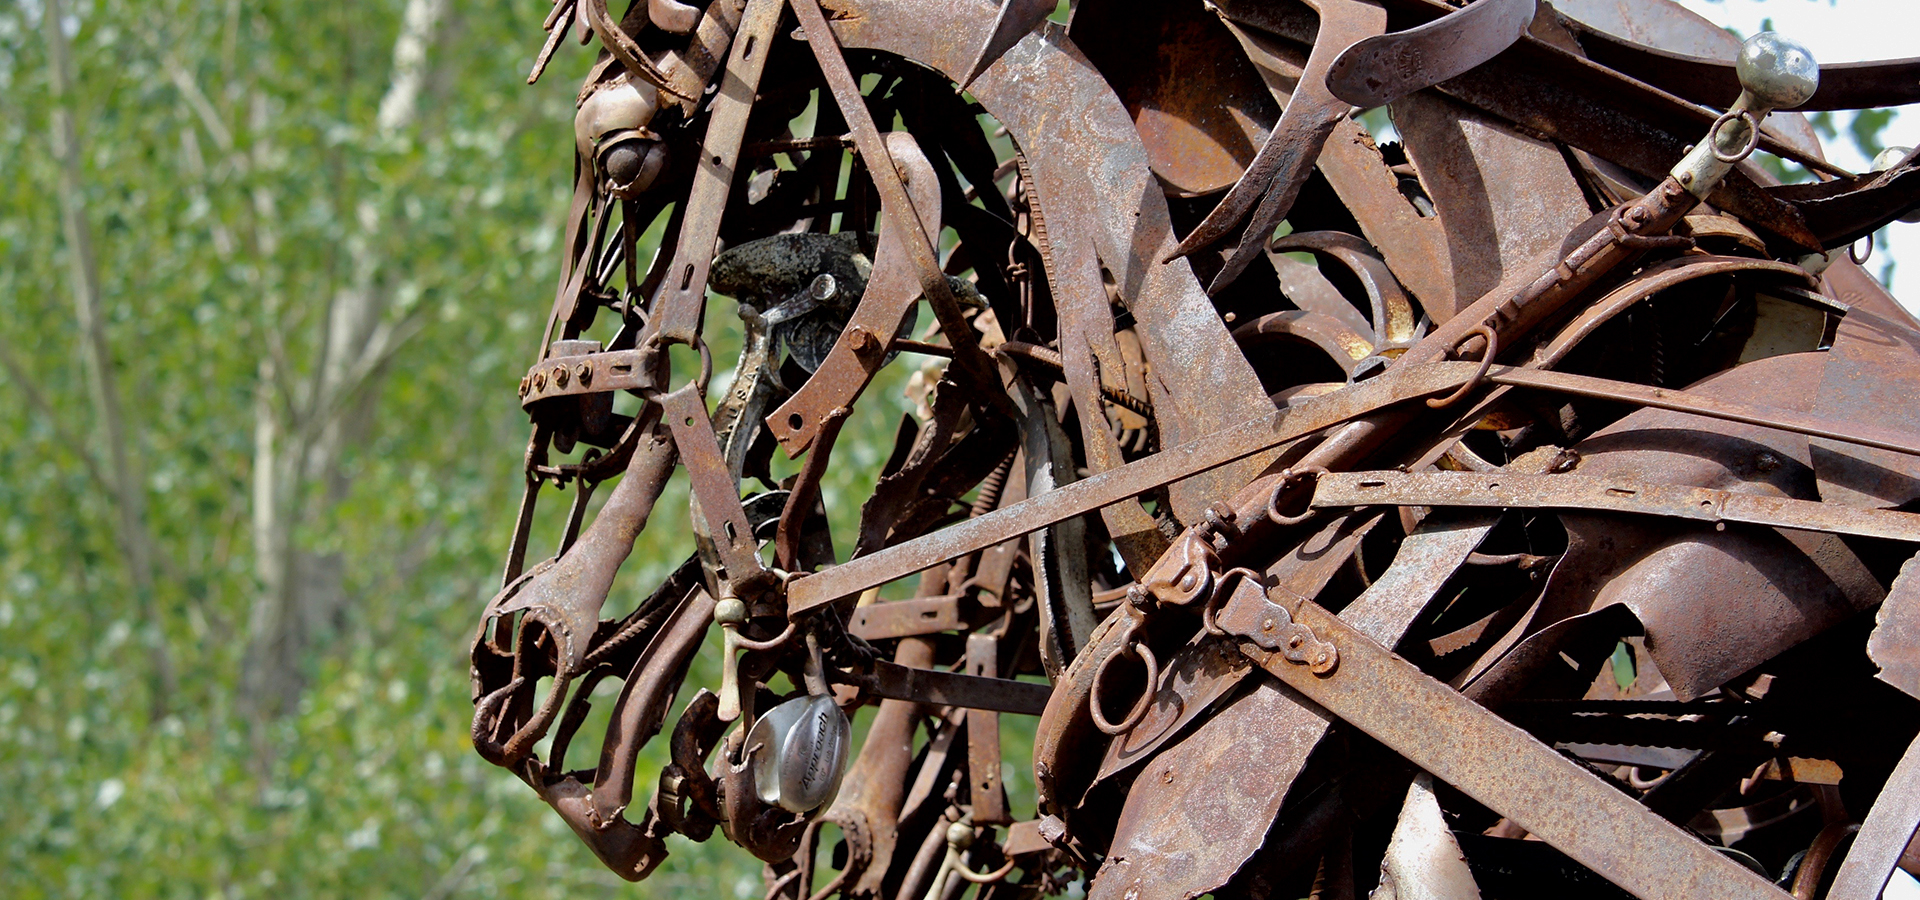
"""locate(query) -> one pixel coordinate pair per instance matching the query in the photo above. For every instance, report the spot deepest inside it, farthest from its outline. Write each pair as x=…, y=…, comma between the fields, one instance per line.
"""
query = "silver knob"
x=1777, y=71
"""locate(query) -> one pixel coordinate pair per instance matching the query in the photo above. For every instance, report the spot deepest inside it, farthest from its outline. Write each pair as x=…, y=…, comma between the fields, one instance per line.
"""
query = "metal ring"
x=657, y=343
x=1753, y=135
x=1287, y=479
x=1486, y=362
x=1860, y=259
x=1140, y=706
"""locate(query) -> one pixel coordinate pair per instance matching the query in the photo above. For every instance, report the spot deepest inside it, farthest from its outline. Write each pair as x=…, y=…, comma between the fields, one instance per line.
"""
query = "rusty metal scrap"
x=1336, y=506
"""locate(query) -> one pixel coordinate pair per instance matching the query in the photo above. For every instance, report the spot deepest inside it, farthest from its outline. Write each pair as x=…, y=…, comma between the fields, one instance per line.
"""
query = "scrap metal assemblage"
x=1515, y=500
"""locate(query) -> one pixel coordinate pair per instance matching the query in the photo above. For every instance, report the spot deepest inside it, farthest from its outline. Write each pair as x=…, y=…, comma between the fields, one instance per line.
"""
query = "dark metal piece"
x=1378, y=70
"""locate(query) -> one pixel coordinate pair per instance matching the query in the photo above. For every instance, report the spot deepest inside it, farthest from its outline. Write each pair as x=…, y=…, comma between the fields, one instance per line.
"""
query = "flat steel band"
x=1508, y=770
x=808, y=592
x=1508, y=490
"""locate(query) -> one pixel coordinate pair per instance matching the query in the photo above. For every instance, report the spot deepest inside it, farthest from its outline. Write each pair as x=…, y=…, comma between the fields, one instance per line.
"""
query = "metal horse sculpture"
x=1517, y=502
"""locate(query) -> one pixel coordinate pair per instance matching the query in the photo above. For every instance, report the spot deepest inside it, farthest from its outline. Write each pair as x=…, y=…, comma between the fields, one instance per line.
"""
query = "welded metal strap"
x=1623, y=495
x=1507, y=769
x=1885, y=833
x=1081, y=497
x=1895, y=439
x=716, y=495
x=895, y=202
x=1267, y=431
x=683, y=294
x=897, y=682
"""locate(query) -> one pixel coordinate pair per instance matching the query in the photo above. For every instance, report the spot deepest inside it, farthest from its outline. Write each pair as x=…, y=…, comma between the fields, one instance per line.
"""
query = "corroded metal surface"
x=1545, y=445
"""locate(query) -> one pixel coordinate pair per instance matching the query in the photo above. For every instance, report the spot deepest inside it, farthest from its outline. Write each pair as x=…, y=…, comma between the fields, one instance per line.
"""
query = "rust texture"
x=1530, y=483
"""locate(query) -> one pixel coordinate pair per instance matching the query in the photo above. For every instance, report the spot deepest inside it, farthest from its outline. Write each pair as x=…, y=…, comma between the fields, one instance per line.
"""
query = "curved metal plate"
x=1089, y=163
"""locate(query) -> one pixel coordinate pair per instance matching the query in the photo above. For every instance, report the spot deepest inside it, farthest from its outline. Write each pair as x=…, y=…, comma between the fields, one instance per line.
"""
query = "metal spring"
x=991, y=486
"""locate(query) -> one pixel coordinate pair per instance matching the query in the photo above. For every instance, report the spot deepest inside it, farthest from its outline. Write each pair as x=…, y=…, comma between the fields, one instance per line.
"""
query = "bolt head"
x=861, y=339
x=1778, y=71
x=583, y=372
x=560, y=376
x=540, y=381
x=1189, y=581
x=526, y=385
x=823, y=287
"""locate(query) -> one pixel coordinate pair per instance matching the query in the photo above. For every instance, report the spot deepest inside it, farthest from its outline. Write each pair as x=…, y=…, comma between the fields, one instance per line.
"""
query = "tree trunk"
x=130, y=499
x=299, y=447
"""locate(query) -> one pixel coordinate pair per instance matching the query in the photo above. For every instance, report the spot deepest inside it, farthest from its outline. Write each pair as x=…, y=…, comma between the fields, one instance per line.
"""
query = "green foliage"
x=222, y=223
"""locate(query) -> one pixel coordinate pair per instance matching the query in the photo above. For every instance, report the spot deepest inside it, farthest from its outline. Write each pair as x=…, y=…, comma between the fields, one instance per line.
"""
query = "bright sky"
x=1847, y=31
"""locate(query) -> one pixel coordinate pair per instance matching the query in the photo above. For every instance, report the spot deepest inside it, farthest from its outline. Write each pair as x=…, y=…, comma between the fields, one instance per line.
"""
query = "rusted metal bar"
x=1885, y=833
x=896, y=203
x=682, y=298
x=1516, y=491
x=1172, y=464
x=953, y=689
x=1861, y=433
x=1494, y=762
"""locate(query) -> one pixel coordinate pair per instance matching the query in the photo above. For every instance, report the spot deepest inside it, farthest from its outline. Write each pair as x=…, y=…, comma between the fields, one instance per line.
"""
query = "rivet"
x=559, y=376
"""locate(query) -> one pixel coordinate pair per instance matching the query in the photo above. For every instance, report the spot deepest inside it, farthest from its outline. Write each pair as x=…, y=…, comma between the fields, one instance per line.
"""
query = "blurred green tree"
x=272, y=272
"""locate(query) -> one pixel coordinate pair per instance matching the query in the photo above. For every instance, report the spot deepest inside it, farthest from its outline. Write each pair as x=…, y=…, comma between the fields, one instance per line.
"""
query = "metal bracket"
x=1251, y=615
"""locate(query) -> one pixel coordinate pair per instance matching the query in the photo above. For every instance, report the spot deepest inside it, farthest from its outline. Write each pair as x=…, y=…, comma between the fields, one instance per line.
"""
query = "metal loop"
x=985, y=877
x=656, y=344
x=1753, y=135
x=777, y=640
x=1860, y=259
x=1486, y=362
x=1139, y=710
x=1287, y=479
x=1220, y=594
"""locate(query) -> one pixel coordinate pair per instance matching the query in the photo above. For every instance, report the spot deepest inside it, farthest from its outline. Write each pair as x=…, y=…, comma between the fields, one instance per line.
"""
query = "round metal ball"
x=1889, y=158
x=632, y=164
x=960, y=835
x=1778, y=71
x=730, y=611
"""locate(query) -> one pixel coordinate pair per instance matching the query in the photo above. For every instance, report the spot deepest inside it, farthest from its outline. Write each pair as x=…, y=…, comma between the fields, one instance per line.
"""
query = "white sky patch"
x=1847, y=31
